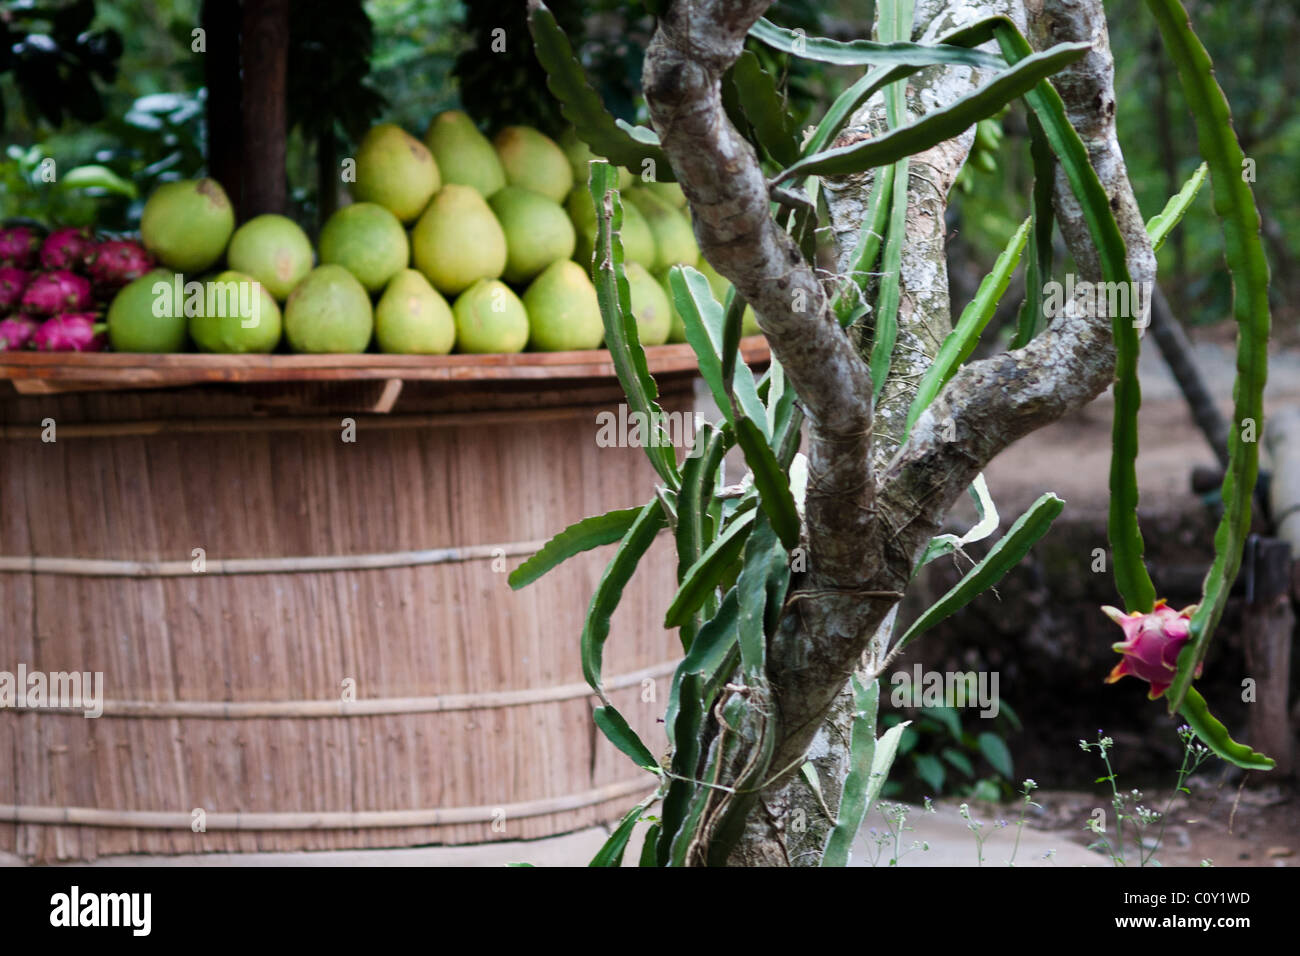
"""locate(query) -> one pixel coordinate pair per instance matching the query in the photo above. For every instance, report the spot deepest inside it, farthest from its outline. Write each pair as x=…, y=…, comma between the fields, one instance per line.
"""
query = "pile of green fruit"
x=453, y=243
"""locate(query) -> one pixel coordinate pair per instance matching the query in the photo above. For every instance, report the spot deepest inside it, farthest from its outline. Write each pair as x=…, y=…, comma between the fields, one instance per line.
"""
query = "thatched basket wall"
x=375, y=567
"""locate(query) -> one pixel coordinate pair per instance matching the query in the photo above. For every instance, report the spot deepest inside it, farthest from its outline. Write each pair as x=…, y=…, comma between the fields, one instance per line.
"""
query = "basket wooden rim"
x=44, y=372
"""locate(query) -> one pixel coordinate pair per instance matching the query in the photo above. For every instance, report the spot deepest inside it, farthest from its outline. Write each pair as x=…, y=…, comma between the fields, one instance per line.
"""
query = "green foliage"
x=943, y=757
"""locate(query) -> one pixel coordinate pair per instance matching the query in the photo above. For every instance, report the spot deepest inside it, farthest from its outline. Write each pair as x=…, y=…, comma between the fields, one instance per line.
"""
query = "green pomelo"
x=458, y=241
x=464, y=155
x=412, y=319
x=395, y=170
x=717, y=283
x=534, y=161
x=674, y=239
x=368, y=241
x=187, y=224
x=239, y=315
x=490, y=318
x=671, y=193
x=650, y=306
x=538, y=232
x=329, y=311
x=638, y=241
x=145, y=315
x=563, y=311
x=580, y=157
x=273, y=250
x=676, y=327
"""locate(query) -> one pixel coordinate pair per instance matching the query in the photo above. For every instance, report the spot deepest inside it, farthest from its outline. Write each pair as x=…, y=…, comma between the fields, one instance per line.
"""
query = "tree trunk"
x=221, y=78
x=265, y=54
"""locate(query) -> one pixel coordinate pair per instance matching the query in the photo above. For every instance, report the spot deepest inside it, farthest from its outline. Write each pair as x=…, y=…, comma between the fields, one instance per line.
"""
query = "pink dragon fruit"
x=16, y=331
x=115, y=262
x=53, y=292
x=71, y=332
x=1151, y=644
x=66, y=248
x=19, y=246
x=12, y=283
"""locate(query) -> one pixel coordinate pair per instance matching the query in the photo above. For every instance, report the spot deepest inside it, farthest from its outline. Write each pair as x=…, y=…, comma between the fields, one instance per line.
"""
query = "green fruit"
x=749, y=322
x=412, y=319
x=329, y=311
x=490, y=318
x=134, y=320
x=671, y=193
x=563, y=311
x=464, y=155
x=674, y=239
x=676, y=327
x=638, y=241
x=273, y=250
x=650, y=307
x=458, y=241
x=538, y=232
x=368, y=241
x=395, y=170
x=533, y=160
x=580, y=157
x=239, y=315
x=187, y=224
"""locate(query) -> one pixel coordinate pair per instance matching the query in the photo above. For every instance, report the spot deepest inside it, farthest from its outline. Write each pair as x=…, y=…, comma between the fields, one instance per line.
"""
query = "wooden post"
x=264, y=54
x=1267, y=625
x=220, y=24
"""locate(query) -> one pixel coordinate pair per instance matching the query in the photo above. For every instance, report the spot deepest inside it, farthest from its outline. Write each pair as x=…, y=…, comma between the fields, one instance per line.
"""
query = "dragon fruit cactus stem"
x=54, y=292
x=67, y=248
x=19, y=246
x=1151, y=644
x=12, y=284
x=16, y=331
x=115, y=262
x=71, y=332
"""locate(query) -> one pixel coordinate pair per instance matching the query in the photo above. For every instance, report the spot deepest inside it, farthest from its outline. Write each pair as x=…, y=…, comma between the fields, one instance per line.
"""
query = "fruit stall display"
x=457, y=243
x=236, y=515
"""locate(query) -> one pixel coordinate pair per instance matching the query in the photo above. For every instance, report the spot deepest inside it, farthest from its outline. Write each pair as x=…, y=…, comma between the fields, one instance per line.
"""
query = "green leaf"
x=774, y=495
x=704, y=575
x=704, y=320
x=931, y=771
x=961, y=342
x=1162, y=223
x=1214, y=735
x=853, y=799
x=947, y=716
x=649, y=856
x=610, y=591
x=886, y=330
x=578, y=537
x=1234, y=204
x=97, y=177
x=766, y=109
x=1131, y=577
x=694, y=528
x=621, y=337
x=582, y=106
x=1032, y=320
x=1002, y=557
x=958, y=760
x=763, y=557
x=613, y=725
x=686, y=756
x=867, y=248
x=995, y=751
x=611, y=854
x=942, y=544
x=940, y=125
x=868, y=52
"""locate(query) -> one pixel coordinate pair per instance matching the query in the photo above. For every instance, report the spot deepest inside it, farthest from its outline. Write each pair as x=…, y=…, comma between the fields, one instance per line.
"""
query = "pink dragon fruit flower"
x=1151, y=644
x=12, y=283
x=71, y=332
x=115, y=262
x=16, y=331
x=54, y=292
x=66, y=248
x=19, y=246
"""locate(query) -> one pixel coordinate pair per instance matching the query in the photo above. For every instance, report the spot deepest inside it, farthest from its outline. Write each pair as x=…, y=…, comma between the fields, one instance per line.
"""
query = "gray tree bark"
x=871, y=505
